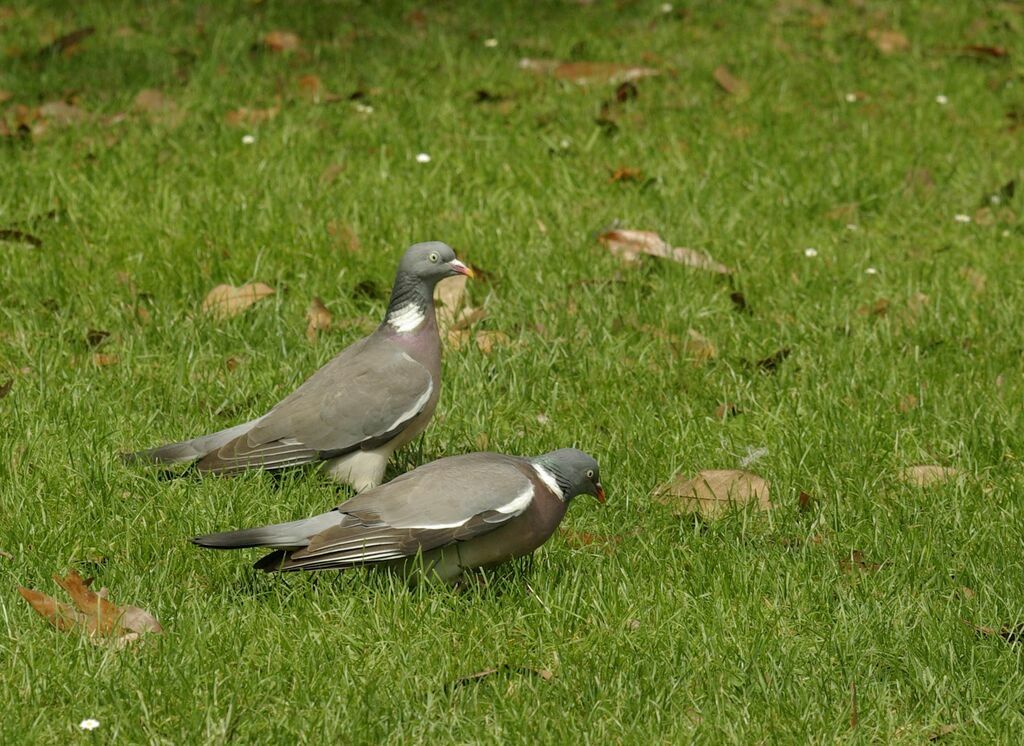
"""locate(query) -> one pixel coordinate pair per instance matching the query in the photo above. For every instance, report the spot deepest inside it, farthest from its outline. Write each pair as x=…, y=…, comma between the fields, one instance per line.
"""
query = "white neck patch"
x=407, y=318
x=549, y=479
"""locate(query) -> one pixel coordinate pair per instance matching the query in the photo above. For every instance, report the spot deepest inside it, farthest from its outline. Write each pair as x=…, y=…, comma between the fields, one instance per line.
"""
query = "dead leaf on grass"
x=472, y=678
x=856, y=560
x=68, y=44
x=158, y=106
x=318, y=319
x=587, y=72
x=984, y=50
x=699, y=348
x=225, y=301
x=1010, y=634
x=281, y=41
x=630, y=245
x=61, y=112
x=486, y=340
x=771, y=363
x=17, y=236
x=907, y=403
x=713, y=492
x=95, y=337
x=888, y=41
x=344, y=236
x=879, y=308
x=927, y=474
x=726, y=409
x=805, y=501
x=730, y=83
x=580, y=539
x=92, y=613
x=103, y=359
x=5, y=388
x=329, y=174
x=975, y=278
x=5, y=96
x=625, y=173
x=246, y=116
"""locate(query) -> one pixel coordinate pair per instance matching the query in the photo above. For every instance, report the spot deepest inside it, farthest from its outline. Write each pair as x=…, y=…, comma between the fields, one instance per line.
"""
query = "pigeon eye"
x=590, y=473
x=434, y=257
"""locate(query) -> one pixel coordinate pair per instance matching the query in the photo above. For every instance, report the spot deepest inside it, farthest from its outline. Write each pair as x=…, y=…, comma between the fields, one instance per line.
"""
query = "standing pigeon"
x=461, y=512
x=352, y=414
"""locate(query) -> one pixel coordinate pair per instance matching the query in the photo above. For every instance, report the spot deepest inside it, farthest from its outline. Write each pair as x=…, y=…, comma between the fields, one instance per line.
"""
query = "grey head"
x=422, y=266
x=576, y=472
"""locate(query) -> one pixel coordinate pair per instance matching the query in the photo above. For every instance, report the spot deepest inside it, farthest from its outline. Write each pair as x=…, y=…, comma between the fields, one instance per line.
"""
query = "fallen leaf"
x=624, y=173
x=699, y=348
x=318, y=318
x=486, y=341
x=907, y=403
x=95, y=337
x=879, y=308
x=629, y=245
x=730, y=83
x=888, y=41
x=943, y=730
x=626, y=91
x=329, y=174
x=61, y=112
x=157, y=106
x=16, y=236
x=541, y=673
x=856, y=560
x=984, y=50
x=771, y=363
x=975, y=278
x=968, y=593
x=103, y=360
x=247, y=116
x=68, y=43
x=93, y=612
x=726, y=409
x=853, y=704
x=232, y=364
x=449, y=296
x=845, y=213
x=311, y=86
x=587, y=72
x=6, y=387
x=713, y=492
x=633, y=624
x=142, y=314
x=1010, y=634
x=281, y=41
x=927, y=475
x=6, y=555
x=345, y=237
x=5, y=96
x=225, y=301
x=805, y=502
x=580, y=539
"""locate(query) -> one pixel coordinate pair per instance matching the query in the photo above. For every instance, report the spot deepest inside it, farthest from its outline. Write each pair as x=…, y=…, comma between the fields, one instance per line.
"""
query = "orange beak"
x=600, y=494
x=461, y=268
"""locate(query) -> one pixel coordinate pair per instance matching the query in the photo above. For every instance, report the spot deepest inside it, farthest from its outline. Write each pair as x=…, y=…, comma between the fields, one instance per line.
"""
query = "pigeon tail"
x=291, y=535
x=190, y=450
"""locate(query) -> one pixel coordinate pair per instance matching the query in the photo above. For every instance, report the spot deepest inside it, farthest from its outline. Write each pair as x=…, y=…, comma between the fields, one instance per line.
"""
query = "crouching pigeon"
x=453, y=514
x=352, y=414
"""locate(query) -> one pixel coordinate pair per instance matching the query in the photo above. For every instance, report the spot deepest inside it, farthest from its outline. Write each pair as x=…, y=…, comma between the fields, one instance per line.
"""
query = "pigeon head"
x=575, y=472
x=430, y=262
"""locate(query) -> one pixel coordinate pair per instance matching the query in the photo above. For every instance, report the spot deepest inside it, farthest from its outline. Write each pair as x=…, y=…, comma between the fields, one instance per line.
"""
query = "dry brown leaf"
x=580, y=539
x=225, y=301
x=629, y=245
x=943, y=730
x=975, y=278
x=152, y=101
x=5, y=388
x=331, y=173
x=93, y=612
x=5, y=96
x=1010, y=634
x=726, y=409
x=281, y=41
x=888, y=41
x=857, y=561
x=247, y=116
x=713, y=492
x=846, y=212
x=311, y=86
x=61, y=112
x=143, y=315
x=587, y=72
x=730, y=83
x=879, y=308
x=625, y=173
x=96, y=337
x=907, y=403
x=699, y=348
x=486, y=341
x=449, y=297
x=541, y=673
x=103, y=359
x=318, y=319
x=804, y=501
x=968, y=593
x=927, y=475
x=344, y=236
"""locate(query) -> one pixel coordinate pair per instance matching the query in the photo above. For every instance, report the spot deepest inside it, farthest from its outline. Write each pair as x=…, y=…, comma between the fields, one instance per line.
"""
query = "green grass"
x=746, y=630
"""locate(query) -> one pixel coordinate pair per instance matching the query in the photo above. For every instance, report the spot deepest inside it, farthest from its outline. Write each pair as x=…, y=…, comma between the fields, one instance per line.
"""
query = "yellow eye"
x=434, y=257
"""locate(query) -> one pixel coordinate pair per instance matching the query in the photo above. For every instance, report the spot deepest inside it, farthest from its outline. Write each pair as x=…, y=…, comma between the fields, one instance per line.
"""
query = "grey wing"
x=449, y=500
x=363, y=397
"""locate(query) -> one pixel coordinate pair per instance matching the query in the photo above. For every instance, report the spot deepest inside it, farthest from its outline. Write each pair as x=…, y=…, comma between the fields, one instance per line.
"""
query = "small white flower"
x=810, y=253
x=851, y=98
x=89, y=724
x=363, y=108
x=961, y=218
x=1006, y=234
x=248, y=139
x=490, y=43
x=852, y=227
x=941, y=100
x=422, y=158
x=994, y=199
x=666, y=7
x=564, y=143
x=871, y=271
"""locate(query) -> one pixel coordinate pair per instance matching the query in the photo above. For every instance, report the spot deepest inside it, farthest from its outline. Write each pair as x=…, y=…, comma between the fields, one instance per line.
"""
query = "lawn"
x=853, y=163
